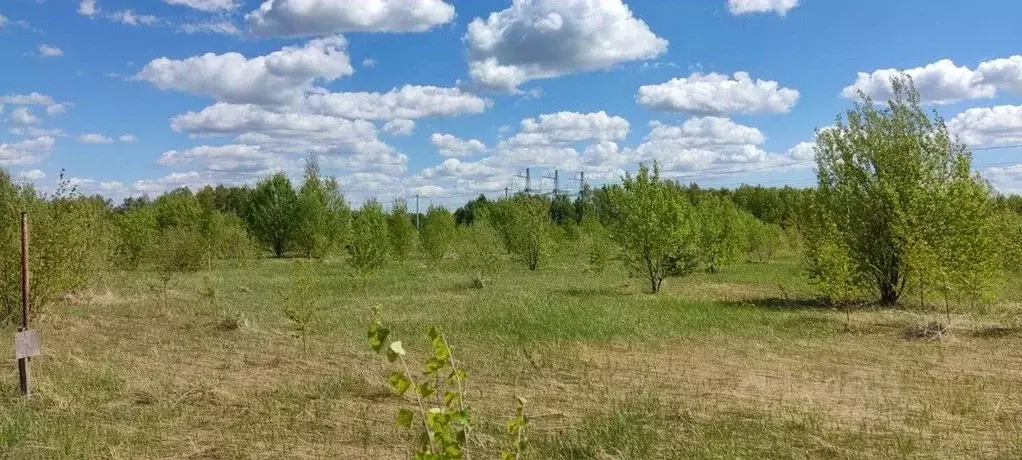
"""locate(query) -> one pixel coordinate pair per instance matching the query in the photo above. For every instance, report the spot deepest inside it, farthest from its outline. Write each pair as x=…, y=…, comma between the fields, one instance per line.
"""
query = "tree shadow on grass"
x=586, y=292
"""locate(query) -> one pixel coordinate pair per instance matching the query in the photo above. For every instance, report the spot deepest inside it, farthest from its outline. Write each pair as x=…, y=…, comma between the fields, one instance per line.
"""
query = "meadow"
x=743, y=363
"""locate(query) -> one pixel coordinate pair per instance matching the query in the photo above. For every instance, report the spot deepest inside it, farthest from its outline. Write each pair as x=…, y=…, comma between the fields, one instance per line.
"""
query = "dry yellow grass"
x=716, y=366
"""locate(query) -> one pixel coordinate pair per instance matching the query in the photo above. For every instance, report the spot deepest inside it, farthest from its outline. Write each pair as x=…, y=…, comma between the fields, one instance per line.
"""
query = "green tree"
x=402, y=229
x=899, y=198
x=137, y=237
x=437, y=232
x=719, y=231
x=524, y=224
x=370, y=236
x=271, y=213
x=312, y=232
x=67, y=245
x=652, y=223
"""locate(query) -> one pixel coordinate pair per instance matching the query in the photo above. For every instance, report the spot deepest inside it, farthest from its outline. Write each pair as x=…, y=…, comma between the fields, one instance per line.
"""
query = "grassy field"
x=739, y=364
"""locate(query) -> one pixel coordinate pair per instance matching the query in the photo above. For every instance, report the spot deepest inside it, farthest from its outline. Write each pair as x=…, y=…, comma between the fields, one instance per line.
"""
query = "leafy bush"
x=369, y=238
x=402, y=230
x=67, y=244
x=523, y=222
x=719, y=232
x=437, y=232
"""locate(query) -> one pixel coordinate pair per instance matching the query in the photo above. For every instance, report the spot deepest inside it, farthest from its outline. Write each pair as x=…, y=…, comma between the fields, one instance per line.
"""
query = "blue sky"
x=450, y=98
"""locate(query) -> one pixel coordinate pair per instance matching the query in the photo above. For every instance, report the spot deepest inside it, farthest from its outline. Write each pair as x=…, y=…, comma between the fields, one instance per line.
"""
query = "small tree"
x=312, y=215
x=652, y=223
x=524, y=223
x=719, y=231
x=272, y=208
x=437, y=232
x=402, y=230
x=598, y=243
x=369, y=238
x=899, y=196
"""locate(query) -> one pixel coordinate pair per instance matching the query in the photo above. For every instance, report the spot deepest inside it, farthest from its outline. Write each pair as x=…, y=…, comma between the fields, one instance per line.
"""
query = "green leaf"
x=377, y=336
x=426, y=390
x=452, y=398
x=434, y=365
x=405, y=418
x=399, y=382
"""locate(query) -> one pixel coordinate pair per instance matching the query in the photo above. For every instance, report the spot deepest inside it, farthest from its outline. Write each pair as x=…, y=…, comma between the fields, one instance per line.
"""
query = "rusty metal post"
x=26, y=388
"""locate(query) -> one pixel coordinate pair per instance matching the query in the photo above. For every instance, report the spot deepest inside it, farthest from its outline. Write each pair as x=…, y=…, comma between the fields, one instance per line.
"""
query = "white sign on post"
x=27, y=344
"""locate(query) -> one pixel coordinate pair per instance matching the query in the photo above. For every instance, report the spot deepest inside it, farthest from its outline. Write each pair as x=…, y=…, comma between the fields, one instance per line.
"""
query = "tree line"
x=897, y=209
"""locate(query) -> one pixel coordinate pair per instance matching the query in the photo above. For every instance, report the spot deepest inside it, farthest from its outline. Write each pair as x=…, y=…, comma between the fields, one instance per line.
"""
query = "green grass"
x=738, y=364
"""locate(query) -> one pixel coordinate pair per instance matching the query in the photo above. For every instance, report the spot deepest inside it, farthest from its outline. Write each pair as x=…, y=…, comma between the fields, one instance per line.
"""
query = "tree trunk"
x=889, y=293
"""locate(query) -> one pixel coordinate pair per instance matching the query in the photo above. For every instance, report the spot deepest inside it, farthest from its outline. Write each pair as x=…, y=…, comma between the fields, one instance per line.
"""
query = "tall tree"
x=652, y=222
x=900, y=200
x=272, y=208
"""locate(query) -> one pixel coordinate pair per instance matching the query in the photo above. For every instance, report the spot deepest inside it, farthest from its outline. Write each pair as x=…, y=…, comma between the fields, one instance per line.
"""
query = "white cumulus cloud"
x=205, y=5
x=25, y=152
x=31, y=175
x=989, y=126
x=535, y=39
x=88, y=8
x=571, y=127
x=94, y=138
x=780, y=7
x=400, y=127
x=23, y=116
x=450, y=145
x=718, y=94
x=941, y=82
x=1004, y=73
x=410, y=102
x=281, y=77
x=319, y=17
x=50, y=51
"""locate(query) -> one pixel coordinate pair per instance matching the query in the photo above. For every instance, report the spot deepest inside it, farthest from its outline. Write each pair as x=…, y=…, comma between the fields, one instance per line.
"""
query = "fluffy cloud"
x=400, y=127
x=25, y=152
x=780, y=7
x=230, y=158
x=205, y=5
x=1004, y=73
x=281, y=77
x=369, y=63
x=130, y=18
x=319, y=17
x=717, y=94
x=451, y=146
x=42, y=100
x=571, y=127
x=50, y=51
x=31, y=175
x=989, y=126
x=702, y=144
x=409, y=102
x=210, y=27
x=352, y=142
x=127, y=138
x=941, y=82
x=88, y=8
x=707, y=131
x=535, y=39
x=33, y=131
x=23, y=116
x=93, y=138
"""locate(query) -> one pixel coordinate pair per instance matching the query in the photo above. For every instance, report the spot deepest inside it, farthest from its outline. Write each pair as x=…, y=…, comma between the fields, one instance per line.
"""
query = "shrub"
x=402, y=230
x=369, y=238
x=437, y=233
x=272, y=208
x=523, y=222
x=67, y=244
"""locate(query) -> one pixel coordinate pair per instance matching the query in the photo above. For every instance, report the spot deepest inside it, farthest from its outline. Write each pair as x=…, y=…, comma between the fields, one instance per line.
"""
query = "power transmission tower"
x=528, y=180
x=581, y=184
x=557, y=183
